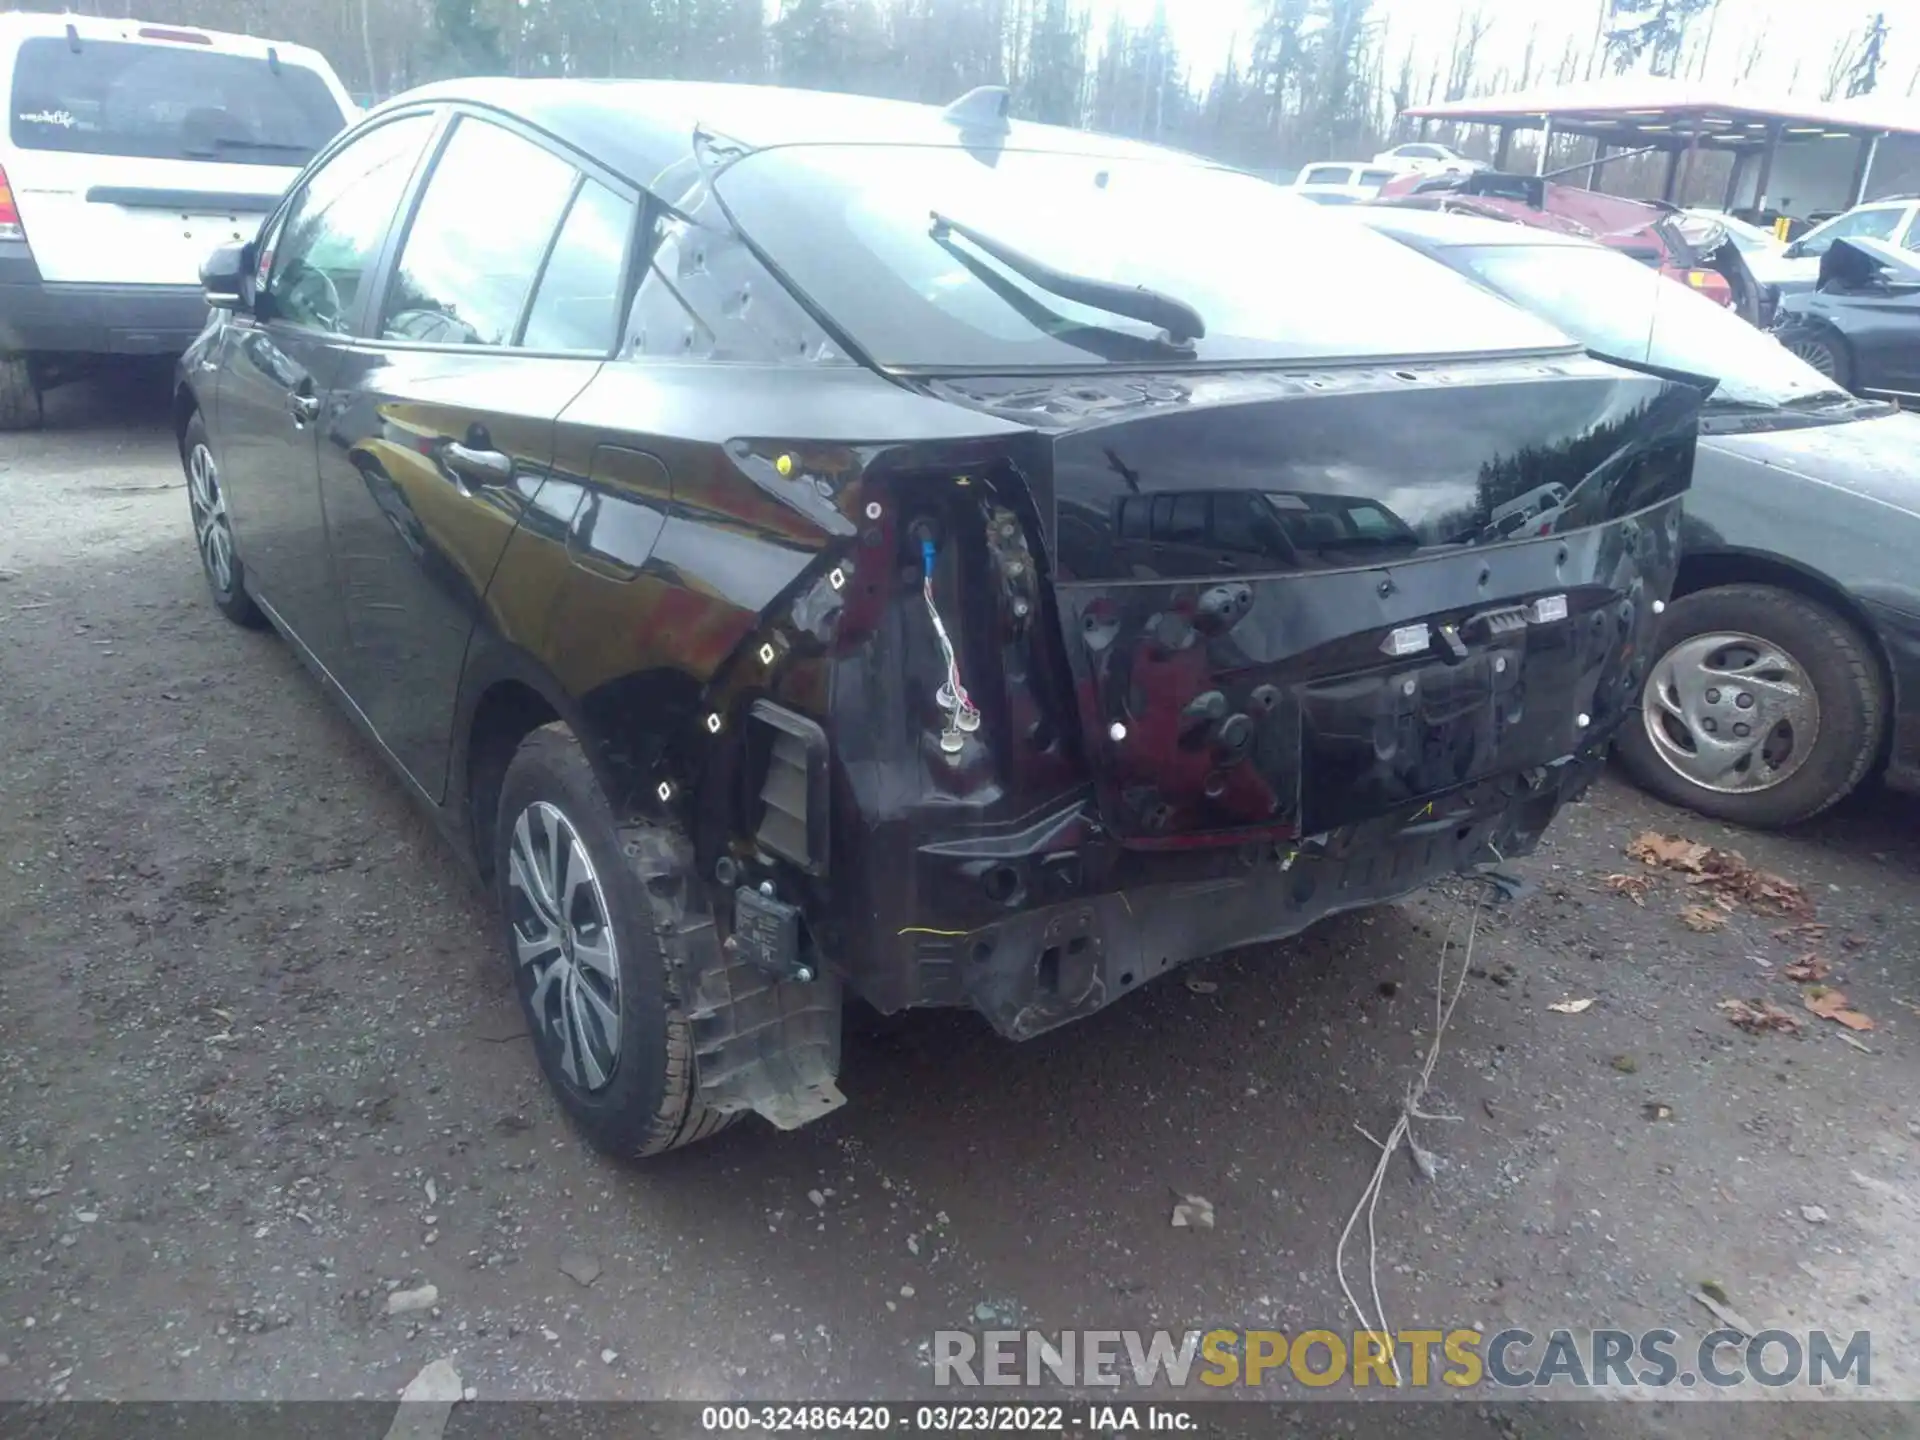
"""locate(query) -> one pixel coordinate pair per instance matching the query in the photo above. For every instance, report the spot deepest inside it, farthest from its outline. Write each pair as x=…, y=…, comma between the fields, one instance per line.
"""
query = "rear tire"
x=582, y=934
x=20, y=407
x=1819, y=754
x=212, y=534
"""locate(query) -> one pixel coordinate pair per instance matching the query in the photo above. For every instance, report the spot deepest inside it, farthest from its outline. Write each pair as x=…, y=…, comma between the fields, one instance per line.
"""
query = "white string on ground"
x=1410, y=1111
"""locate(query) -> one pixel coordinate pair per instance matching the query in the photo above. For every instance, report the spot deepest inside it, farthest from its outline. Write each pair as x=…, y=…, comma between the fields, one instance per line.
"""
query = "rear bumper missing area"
x=1053, y=964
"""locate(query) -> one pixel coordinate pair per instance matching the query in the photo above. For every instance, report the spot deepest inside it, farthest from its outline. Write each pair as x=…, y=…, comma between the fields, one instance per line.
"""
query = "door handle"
x=484, y=467
x=302, y=407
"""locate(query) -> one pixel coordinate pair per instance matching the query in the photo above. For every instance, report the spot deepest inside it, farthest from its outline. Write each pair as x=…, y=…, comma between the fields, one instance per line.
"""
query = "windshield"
x=169, y=102
x=1274, y=277
x=1621, y=308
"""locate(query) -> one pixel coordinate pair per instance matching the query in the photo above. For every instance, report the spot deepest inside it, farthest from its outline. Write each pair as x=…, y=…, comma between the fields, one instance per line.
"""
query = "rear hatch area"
x=1296, y=602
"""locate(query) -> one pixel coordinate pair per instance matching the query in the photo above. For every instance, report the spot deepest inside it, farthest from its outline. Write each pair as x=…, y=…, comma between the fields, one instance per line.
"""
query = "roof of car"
x=1437, y=228
x=22, y=24
x=641, y=127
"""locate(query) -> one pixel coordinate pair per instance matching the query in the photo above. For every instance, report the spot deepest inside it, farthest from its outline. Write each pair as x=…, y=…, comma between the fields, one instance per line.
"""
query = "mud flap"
x=760, y=1044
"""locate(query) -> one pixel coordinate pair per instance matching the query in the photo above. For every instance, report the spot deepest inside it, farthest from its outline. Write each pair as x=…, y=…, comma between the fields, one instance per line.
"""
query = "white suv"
x=131, y=151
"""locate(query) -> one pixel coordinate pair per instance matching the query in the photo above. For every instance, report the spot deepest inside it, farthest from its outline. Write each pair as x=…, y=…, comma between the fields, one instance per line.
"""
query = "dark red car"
x=1694, y=251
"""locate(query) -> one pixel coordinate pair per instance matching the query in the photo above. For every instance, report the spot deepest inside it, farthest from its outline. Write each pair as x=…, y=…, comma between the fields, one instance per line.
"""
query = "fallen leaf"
x=1809, y=931
x=1201, y=987
x=1725, y=1313
x=1653, y=848
x=1634, y=887
x=1656, y=1110
x=1726, y=872
x=1625, y=1064
x=1193, y=1212
x=1700, y=918
x=1832, y=1005
x=1852, y=942
x=1571, y=1007
x=1758, y=1016
x=1806, y=969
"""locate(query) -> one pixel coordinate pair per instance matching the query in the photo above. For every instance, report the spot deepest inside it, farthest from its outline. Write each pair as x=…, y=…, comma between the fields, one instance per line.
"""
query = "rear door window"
x=577, y=307
x=478, y=239
x=168, y=102
x=1329, y=175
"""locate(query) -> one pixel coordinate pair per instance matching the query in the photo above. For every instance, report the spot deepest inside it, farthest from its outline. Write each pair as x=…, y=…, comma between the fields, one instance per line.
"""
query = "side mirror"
x=1798, y=250
x=227, y=277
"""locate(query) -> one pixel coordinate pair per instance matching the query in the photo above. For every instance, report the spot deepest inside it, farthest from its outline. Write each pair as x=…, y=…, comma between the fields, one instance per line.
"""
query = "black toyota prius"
x=800, y=545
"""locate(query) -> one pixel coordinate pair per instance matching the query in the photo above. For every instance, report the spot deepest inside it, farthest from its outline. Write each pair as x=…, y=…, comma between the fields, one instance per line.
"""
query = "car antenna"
x=273, y=59
x=73, y=38
x=985, y=107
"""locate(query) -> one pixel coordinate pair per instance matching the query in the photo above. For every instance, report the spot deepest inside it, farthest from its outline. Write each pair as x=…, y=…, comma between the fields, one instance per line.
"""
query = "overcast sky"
x=1802, y=30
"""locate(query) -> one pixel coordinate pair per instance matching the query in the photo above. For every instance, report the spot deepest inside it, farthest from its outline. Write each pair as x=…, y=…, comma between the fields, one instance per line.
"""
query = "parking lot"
x=260, y=1067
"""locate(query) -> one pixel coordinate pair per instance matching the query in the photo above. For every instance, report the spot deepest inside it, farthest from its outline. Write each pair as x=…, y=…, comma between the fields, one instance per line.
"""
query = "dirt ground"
x=260, y=1067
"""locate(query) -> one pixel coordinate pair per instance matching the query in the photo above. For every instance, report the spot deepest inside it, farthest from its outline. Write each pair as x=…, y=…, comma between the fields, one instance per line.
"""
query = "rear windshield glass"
x=1272, y=276
x=168, y=102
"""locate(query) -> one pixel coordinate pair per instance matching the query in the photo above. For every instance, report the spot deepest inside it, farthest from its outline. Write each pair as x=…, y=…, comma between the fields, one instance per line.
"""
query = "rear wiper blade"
x=1119, y=346
x=1180, y=320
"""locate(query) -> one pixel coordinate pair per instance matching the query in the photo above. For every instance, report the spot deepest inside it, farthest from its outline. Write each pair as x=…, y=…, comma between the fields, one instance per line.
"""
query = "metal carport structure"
x=1682, y=118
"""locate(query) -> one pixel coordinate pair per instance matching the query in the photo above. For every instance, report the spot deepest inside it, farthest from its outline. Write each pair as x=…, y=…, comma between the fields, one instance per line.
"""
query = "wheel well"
x=1707, y=572
x=506, y=715
x=184, y=408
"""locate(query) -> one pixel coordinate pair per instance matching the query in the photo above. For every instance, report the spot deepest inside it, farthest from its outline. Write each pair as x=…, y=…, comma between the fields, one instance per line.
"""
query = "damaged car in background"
x=1860, y=324
x=811, y=545
x=1788, y=669
x=1694, y=249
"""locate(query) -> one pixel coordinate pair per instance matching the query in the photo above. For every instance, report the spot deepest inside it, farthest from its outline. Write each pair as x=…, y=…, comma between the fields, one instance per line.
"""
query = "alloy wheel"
x=1731, y=712
x=1816, y=353
x=209, y=506
x=566, y=957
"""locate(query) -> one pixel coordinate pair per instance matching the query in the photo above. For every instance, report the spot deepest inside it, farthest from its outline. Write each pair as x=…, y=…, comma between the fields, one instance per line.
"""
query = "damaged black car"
x=802, y=545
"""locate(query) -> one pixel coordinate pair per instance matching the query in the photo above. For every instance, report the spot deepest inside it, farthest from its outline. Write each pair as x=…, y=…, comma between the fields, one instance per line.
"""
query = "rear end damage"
x=1173, y=664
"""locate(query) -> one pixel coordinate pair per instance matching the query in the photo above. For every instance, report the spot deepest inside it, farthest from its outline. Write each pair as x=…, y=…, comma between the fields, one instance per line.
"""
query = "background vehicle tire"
x=1802, y=682
x=1826, y=355
x=581, y=931
x=212, y=536
x=19, y=395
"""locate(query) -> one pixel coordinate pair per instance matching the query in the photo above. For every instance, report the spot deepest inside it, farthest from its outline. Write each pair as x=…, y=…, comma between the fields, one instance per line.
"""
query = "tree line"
x=1307, y=80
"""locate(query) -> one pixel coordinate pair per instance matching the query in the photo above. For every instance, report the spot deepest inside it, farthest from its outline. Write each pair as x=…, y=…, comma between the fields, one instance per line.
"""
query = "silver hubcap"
x=209, y=505
x=1815, y=354
x=569, y=967
x=1731, y=712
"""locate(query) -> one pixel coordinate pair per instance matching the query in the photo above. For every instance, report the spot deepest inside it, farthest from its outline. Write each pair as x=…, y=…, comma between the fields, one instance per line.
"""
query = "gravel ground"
x=260, y=1068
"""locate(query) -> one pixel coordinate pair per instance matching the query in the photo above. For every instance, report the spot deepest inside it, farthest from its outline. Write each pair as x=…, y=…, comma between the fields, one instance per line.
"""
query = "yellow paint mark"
x=923, y=930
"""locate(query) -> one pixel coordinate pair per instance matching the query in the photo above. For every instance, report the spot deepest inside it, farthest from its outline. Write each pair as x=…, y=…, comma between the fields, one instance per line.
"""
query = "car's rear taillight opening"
x=10, y=226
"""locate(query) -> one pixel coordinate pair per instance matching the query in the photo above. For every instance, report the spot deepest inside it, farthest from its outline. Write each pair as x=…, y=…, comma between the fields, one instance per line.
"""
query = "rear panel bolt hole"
x=1003, y=884
x=1126, y=978
x=980, y=952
